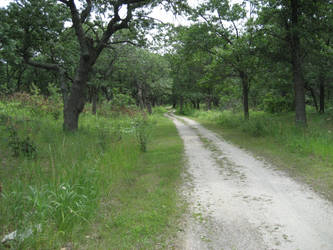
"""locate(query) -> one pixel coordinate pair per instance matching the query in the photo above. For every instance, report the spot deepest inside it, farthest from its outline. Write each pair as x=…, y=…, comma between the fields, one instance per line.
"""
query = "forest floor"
x=239, y=201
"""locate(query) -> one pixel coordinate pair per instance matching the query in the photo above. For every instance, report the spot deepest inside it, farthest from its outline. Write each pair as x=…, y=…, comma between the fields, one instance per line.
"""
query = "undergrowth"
x=55, y=185
x=316, y=139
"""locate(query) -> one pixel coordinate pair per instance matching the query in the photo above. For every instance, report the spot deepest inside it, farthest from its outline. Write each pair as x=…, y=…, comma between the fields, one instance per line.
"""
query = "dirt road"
x=240, y=202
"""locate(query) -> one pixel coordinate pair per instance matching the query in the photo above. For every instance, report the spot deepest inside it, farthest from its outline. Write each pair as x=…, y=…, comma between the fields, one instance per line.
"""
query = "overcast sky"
x=158, y=12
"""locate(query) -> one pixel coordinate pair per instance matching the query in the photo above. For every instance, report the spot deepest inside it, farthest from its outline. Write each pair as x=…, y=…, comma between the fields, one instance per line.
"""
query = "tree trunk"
x=94, y=102
x=193, y=104
x=77, y=97
x=314, y=98
x=181, y=104
x=209, y=103
x=322, y=96
x=245, y=88
x=19, y=78
x=216, y=102
x=149, y=108
x=140, y=96
x=154, y=101
x=300, y=118
x=63, y=85
x=174, y=102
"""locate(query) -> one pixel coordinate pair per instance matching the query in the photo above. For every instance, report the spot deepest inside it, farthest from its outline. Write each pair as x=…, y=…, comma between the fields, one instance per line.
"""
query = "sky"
x=158, y=13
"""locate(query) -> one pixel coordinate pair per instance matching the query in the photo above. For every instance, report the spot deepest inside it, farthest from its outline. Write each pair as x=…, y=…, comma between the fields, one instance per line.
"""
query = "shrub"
x=159, y=110
x=277, y=104
x=255, y=127
x=122, y=100
x=20, y=145
x=143, y=128
x=229, y=119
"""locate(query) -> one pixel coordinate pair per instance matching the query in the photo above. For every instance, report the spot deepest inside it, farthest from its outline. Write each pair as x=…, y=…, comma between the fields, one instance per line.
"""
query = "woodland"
x=86, y=83
x=266, y=55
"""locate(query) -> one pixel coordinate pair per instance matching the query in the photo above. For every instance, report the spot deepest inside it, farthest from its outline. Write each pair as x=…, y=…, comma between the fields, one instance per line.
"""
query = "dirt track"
x=240, y=202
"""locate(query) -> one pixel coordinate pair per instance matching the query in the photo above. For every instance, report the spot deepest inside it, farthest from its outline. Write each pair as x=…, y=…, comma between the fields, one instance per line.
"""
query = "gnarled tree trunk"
x=77, y=97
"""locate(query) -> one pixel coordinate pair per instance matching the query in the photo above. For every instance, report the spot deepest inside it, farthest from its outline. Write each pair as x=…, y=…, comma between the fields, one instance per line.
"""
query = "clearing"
x=238, y=201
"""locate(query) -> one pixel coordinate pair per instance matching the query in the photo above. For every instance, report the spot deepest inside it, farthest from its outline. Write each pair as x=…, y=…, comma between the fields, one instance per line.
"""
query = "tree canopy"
x=274, y=55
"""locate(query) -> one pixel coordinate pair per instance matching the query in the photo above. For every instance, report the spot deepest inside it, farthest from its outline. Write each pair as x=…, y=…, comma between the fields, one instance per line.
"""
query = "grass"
x=91, y=189
x=142, y=208
x=306, y=154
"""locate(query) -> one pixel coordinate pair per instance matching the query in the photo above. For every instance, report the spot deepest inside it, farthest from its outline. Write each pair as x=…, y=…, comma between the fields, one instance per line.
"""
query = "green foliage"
x=277, y=104
x=160, y=110
x=20, y=146
x=143, y=126
x=120, y=100
x=317, y=139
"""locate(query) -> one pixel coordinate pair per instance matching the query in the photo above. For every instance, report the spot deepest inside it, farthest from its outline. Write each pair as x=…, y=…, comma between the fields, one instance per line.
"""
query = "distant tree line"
x=274, y=55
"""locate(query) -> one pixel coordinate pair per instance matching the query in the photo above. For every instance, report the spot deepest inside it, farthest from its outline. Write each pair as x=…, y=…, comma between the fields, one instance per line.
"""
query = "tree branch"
x=47, y=66
x=77, y=24
x=86, y=12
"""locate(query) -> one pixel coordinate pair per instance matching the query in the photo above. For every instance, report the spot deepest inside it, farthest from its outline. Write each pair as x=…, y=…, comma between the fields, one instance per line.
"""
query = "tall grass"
x=316, y=139
x=54, y=198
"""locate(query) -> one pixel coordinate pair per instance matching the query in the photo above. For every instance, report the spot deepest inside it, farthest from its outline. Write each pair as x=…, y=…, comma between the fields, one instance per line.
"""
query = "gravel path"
x=240, y=202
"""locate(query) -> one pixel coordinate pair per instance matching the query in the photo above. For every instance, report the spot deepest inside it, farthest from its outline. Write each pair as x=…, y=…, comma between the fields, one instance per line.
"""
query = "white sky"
x=3, y=3
x=158, y=12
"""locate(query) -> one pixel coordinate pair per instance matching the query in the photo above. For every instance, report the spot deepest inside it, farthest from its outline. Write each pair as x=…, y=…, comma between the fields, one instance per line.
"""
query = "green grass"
x=91, y=189
x=306, y=154
x=140, y=212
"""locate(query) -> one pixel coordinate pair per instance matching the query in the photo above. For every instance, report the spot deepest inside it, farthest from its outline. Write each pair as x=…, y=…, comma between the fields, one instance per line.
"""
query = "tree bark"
x=77, y=98
x=298, y=79
x=322, y=96
x=313, y=95
x=245, y=88
x=19, y=78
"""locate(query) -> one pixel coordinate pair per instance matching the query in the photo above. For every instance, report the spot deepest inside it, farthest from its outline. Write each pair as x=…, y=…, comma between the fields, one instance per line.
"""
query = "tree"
x=293, y=24
x=228, y=39
x=38, y=20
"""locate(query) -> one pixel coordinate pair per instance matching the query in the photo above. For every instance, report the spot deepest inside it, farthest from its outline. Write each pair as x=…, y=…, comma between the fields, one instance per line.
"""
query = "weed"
x=81, y=183
x=20, y=146
x=143, y=129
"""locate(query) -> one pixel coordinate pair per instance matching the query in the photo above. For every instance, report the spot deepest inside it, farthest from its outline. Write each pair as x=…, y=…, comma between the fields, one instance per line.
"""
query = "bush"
x=277, y=104
x=229, y=119
x=143, y=129
x=122, y=100
x=187, y=110
x=159, y=110
x=255, y=127
x=20, y=145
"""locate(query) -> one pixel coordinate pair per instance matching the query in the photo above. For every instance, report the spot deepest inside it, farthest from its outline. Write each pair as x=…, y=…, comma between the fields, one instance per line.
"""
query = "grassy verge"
x=94, y=189
x=306, y=154
x=140, y=211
